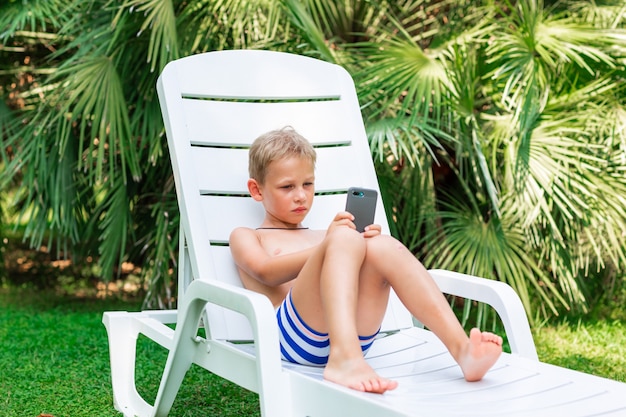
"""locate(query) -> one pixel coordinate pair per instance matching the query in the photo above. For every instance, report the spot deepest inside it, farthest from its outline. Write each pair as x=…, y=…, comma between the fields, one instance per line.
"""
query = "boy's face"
x=288, y=191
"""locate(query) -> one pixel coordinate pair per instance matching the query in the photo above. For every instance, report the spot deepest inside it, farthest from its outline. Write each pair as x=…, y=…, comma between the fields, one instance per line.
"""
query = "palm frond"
x=536, y=47
x=162, y=241
x=112, y=218
x=464, y=100
x=8, y=124
x=608, y=14
x=411, y=214
x=232, y=24
x=561, y=41
x=92, y=95
x=160, y=21
x=492, y=248
x=309, y=29
x=51, y=206
x=43, y=14
x=405, y=140
x=402, y=78
x=157, y=218
x=572, y=196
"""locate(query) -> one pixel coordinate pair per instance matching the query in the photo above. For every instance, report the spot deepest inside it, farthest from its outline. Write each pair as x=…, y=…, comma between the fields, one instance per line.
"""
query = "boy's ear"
x=254, y=189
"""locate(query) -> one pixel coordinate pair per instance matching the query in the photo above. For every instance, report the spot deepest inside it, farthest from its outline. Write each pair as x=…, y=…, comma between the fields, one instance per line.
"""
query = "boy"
x=331, y=287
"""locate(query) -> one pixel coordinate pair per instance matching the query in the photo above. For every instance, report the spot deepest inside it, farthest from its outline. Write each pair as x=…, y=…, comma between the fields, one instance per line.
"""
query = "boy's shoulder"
x=242, y=233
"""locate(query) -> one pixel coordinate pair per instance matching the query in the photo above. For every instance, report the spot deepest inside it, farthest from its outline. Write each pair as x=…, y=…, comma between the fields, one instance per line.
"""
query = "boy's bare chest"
x=281, y=242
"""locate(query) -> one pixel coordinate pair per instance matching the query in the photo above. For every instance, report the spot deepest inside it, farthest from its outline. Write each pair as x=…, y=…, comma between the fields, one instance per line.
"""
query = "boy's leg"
x=329, y=281
x=326, y=295
x=329, y=276
x=419, y=293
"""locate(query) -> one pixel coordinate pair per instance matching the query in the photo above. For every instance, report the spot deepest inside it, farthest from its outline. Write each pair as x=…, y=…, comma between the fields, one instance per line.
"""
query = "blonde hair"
x=276, y=145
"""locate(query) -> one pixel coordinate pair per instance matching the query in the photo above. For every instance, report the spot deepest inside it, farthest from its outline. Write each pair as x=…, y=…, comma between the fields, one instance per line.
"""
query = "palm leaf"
x=43, y=14
x=232, y=24
x=535, y=46
x=609, y=14
x=92, y=95
x=402, y=78
x=112, y=218
x=411, y=214
x=403, y=140
x=51, y=206
x=464, y=100
x=309, y=29
x=162, y=241
x=490, y=248
x=160, y=21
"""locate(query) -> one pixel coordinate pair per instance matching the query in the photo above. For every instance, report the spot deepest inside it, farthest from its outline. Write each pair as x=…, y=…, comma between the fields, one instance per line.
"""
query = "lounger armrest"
x=498, y=295
x=254, y=306
x=259, y=311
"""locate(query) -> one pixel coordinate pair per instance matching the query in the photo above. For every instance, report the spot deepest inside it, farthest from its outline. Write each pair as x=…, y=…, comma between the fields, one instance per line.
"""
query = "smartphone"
x=361, y=203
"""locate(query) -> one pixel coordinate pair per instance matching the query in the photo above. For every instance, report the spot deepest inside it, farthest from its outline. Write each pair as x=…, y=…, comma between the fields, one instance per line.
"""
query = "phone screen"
x=361, y=203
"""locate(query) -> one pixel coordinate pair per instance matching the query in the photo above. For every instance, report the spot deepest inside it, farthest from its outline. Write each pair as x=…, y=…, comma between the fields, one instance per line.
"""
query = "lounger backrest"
x=214, y=106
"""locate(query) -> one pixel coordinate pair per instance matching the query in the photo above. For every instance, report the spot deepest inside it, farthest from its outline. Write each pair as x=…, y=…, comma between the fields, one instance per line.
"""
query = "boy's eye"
x=290, y=186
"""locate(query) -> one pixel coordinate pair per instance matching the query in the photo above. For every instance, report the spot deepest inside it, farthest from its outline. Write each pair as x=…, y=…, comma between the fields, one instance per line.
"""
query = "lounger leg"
x=180, y=357
x=123, y=332
x=178, y=363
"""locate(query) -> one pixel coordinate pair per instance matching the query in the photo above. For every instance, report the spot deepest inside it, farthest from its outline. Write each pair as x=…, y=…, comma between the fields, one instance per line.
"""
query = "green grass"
x=596, y=347
x=54, y=359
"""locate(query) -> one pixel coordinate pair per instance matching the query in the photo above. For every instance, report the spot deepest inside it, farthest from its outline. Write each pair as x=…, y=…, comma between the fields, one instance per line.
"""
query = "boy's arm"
x=252, y=258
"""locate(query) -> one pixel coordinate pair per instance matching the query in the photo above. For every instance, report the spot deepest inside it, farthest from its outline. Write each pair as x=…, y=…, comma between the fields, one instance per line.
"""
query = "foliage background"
x=498, y=128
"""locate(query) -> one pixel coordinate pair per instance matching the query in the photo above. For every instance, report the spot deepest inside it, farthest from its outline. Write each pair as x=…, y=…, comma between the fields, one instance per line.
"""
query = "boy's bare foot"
x=482, y=351
x=358, y=375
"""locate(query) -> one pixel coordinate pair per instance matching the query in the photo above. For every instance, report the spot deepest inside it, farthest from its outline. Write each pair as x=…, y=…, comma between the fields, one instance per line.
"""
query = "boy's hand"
x=372, y=230
x=343, y=218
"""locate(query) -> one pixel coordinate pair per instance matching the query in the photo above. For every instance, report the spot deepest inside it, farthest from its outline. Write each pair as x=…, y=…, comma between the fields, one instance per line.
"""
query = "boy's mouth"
x=299, y=210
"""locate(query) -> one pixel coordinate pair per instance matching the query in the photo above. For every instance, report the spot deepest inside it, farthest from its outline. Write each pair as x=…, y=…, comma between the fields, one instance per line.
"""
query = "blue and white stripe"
x=301, y=344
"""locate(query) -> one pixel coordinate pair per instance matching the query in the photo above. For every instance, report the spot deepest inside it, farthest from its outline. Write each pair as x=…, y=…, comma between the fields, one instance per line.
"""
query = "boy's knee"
x=382, y=243
x=345, y=236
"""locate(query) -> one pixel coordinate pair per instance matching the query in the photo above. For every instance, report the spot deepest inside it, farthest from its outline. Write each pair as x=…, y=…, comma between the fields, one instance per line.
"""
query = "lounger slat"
x=210, y=122
x=211, y=164
x=430, y=381
x=431, y=384
x=245, y=212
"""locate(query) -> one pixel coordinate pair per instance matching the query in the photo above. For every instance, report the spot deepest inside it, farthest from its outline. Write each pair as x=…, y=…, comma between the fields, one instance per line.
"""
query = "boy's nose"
x=300, y=194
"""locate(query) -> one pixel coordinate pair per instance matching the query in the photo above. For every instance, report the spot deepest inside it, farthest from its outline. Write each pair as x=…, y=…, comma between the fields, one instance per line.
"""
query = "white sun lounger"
x=214, y=105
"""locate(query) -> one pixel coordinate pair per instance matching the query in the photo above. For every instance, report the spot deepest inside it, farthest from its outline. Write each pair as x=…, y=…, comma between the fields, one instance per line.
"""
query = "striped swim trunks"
x=300, y=344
